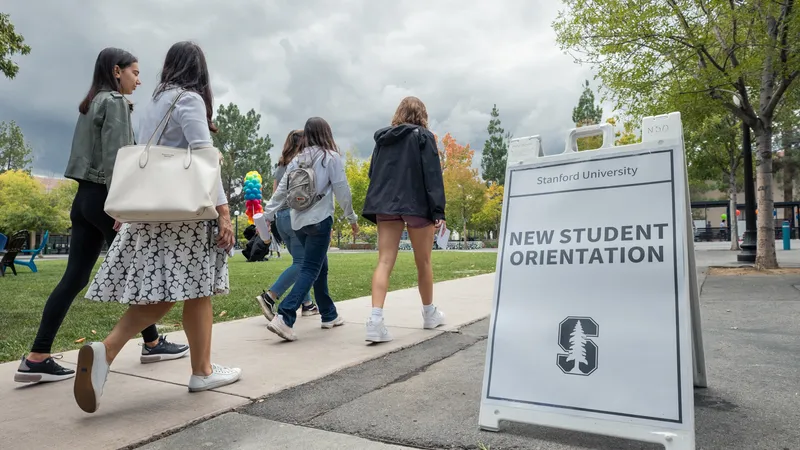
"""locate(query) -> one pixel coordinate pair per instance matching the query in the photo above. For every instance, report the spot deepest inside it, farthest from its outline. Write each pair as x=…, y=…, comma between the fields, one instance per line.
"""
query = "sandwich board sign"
x=594, y=315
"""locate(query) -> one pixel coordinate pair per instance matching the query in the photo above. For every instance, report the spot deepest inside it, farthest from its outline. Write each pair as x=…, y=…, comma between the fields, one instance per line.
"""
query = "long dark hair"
x=318, y=133
x=291, y=147
x=185, y=66
x=103, y=78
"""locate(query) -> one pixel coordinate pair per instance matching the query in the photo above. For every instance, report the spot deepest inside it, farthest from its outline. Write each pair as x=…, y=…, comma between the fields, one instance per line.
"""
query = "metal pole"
x=748, y=253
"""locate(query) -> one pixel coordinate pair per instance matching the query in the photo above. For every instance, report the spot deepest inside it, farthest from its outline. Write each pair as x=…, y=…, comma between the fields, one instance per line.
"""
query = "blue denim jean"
x=283, y=220
x=314, y=273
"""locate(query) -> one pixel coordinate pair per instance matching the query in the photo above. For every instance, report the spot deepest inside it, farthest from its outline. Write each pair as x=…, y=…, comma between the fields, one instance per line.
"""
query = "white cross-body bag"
x=156, y=183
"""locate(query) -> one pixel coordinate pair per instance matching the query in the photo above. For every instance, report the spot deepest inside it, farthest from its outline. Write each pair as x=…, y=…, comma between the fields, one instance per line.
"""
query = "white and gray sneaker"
x=337, y=322
x=433, y=319
x=220, y=376
x=377, y=331
x=91, y=376
x=279, y=327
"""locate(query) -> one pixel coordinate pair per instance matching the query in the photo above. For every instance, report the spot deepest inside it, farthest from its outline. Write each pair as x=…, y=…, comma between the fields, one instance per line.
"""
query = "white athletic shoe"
x=92, y=373
x=432, y=320
x=279, y=327
x=377, y=331
x=337, y=322
x=220, y=376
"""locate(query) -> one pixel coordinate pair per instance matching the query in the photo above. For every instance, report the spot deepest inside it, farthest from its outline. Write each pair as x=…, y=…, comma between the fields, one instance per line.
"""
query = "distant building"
x=51, y=183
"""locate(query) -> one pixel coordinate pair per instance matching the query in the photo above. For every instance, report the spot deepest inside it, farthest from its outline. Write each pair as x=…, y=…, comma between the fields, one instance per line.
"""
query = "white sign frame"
x=659, y=134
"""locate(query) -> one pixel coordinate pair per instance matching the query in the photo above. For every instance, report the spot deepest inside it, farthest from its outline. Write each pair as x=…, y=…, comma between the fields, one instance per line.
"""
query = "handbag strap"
x=163, y=126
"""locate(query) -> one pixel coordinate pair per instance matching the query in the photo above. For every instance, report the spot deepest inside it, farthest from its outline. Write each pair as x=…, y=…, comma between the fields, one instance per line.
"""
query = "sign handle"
x=606, y=130
x=669, y=126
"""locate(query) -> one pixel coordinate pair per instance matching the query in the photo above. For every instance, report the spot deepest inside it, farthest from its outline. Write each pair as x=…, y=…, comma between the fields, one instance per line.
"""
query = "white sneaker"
x=377, y=331
x=279, y=327
x=338, y=321
x=220, y=376
x=432, y=320
x=91, y=376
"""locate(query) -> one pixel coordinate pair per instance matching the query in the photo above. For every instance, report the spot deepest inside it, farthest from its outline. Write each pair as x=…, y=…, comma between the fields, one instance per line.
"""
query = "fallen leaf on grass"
x=223, y=313
x=78, y=341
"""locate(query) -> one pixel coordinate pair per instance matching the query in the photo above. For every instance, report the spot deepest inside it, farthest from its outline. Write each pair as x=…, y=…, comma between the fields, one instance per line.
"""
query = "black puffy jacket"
x=405, y=175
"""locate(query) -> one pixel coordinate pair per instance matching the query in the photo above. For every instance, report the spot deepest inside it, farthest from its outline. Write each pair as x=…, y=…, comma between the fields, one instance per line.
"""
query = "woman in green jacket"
x=104, y=125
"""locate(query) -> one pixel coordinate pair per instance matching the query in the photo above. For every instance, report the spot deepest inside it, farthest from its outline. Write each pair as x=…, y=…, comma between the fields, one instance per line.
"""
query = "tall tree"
x=708, y=49
x=357, y=172
x=11, y=43
x=462, y=185
x=495, y=150
x=488, y=218
x=15, y=153
x=243, y=150
x=713, y=154
x=24, y=205
x=587, y=113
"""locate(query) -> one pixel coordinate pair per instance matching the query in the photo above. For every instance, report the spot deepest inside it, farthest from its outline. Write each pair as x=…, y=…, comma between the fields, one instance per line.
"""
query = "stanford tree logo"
x=580, y=352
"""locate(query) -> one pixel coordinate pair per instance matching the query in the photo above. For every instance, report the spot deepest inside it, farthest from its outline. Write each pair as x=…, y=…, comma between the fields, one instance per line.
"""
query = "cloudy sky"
x=349, y=61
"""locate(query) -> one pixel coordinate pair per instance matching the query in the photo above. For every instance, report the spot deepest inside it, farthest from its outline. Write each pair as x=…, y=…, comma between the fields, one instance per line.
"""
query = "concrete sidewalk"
x=141, y=402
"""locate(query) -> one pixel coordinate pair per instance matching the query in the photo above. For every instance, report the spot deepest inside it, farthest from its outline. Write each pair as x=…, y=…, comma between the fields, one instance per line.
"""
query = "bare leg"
x=198, y=317
x=135, y=319
x=422, y=243
x=389, y=233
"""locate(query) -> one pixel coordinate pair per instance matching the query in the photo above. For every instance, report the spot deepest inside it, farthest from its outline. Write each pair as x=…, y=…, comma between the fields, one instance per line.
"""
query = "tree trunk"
x=733, y=220
x=765, y=244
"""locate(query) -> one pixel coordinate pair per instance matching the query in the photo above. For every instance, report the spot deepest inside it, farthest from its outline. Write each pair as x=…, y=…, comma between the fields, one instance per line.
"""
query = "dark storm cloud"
x=350, y=62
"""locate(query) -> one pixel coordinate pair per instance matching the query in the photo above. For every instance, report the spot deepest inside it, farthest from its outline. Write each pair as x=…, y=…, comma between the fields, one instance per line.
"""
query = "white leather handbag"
x=155, y=183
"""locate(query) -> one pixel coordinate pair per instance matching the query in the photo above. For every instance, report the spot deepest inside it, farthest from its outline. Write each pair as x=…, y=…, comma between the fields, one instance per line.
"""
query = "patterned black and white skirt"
x=162, y=262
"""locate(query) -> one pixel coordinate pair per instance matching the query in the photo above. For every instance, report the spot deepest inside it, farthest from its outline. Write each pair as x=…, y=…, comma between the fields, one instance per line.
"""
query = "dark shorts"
x=411, y=221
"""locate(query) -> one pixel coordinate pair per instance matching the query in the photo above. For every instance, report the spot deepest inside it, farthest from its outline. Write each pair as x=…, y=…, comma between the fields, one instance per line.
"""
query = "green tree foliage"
x=24, y=205
x=357, y=172
x=15, y=153
x=587, y=113
x=11, y=43
x=495, y=150
x=645, y=50
x=714, y=156
x=488, y=218
x=243, y=150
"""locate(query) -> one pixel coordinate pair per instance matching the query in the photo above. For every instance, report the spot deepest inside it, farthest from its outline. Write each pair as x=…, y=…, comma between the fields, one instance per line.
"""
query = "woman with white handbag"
x=174, y=244
x=104, y=125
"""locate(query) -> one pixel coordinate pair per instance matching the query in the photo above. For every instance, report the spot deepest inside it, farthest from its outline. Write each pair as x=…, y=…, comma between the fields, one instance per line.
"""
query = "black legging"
x=91, y=226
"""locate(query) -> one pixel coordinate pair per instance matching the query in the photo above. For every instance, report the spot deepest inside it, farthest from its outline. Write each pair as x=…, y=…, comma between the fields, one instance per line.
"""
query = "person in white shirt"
x=152, y=266
x=313, y=226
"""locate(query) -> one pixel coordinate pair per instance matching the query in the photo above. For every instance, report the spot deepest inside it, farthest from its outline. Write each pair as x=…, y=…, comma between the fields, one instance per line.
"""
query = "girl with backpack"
x=406, y=189
x=312, y=179
x=283, y=225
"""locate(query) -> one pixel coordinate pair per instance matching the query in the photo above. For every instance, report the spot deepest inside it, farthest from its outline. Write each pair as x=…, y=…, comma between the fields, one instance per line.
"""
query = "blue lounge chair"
x=33, y=254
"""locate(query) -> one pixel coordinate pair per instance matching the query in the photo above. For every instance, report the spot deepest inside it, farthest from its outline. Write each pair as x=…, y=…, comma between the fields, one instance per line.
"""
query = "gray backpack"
x=302, y=184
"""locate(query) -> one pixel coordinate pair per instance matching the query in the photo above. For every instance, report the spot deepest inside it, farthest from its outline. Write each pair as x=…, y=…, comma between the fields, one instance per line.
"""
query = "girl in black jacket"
x=405, y=190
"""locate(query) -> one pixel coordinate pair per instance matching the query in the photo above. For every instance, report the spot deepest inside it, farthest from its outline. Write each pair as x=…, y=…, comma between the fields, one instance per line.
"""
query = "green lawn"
x=22, y=297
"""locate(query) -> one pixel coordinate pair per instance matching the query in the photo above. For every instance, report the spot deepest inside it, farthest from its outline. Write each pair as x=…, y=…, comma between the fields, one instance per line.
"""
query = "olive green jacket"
x=99, y=134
